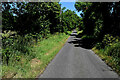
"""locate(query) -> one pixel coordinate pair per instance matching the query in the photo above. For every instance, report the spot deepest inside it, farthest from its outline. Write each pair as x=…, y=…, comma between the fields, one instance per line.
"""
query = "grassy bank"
x=108, y=49
x=112, y=61
x=33, y=64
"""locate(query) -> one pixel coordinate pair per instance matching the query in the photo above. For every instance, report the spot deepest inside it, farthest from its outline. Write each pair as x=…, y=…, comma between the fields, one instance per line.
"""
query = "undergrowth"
x=33, y=63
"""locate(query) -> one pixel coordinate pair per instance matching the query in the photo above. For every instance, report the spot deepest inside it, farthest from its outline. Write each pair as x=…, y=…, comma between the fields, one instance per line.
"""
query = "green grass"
x=110, y=60
x=33, y=64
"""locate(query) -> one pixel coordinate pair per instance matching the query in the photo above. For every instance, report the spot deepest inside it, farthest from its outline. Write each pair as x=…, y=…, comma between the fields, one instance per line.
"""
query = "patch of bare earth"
x=35, y=62
x=9, y=75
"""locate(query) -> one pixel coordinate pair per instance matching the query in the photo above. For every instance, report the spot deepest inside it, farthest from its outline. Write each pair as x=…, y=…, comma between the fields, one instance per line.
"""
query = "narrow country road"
x=74, y=61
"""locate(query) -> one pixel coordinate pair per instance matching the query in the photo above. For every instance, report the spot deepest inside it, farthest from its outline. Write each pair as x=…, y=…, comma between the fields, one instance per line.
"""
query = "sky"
x=70, y=5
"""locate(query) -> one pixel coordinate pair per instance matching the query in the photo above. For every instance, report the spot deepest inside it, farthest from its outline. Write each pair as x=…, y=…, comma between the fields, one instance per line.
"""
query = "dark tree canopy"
x=100, y=18
x=35, y=17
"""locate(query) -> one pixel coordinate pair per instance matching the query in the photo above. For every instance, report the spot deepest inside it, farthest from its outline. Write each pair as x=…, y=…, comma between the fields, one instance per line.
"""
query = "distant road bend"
x=76, y=62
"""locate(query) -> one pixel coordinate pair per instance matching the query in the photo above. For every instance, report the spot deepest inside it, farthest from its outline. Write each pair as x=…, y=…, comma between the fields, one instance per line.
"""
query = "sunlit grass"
x=33, y=64
x=108, y=59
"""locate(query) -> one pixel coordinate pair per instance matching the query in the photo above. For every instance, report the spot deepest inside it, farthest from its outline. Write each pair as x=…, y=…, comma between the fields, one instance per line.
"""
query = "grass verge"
x=108, y=59
x=32, y=65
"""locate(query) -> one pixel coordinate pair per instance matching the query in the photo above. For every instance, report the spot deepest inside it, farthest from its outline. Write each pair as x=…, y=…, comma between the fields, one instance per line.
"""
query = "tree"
x=98, y=18
x=70, y=20
x=29, y=17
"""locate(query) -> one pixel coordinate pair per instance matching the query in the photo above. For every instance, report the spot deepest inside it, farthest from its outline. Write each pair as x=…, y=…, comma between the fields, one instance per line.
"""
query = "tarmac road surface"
x=74, y=61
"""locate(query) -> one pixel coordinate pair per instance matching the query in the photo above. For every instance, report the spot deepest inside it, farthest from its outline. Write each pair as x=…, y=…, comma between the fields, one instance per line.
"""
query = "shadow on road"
x=77, y=42
x=72, y=34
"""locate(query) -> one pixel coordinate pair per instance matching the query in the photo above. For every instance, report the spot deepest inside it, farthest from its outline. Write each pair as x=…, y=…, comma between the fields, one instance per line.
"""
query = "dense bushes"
x=109, y=39
x=112, y=46
x=113, y=50
x=109, y=50
x=13, y=45
x=110, y=54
